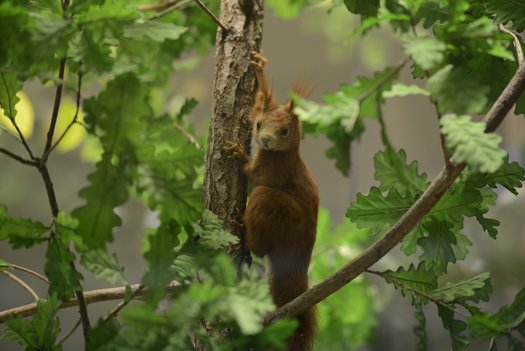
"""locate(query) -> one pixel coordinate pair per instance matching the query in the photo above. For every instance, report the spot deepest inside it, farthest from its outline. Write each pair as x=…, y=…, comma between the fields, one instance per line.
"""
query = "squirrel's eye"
x=258, y=125
x=284, y=131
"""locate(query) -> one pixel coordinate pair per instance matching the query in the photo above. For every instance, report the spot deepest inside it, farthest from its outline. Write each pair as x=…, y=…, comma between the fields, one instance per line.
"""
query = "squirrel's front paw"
x=258, y=60
x=235, y=149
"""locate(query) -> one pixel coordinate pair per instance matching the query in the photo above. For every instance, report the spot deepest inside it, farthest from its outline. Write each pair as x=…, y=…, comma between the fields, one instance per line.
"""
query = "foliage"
x=460, y=63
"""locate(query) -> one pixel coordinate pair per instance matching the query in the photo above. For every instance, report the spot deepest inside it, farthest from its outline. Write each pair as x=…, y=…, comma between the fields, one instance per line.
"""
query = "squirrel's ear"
x=290, y=106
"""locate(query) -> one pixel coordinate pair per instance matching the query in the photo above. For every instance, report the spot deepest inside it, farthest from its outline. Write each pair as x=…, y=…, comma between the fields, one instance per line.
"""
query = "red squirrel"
x=281, y=215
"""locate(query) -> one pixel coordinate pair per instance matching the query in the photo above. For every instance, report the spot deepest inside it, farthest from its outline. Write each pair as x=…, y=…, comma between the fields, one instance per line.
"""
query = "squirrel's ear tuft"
x=290, y=106
x=302, y=88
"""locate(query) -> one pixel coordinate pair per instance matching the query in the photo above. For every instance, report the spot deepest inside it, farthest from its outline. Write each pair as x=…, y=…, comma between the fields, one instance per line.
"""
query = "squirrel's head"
x=276, y=129
x=274, y=126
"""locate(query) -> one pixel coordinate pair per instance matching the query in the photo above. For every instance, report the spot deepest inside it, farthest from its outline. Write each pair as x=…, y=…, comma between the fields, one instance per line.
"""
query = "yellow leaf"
x=25, y=116
x=76, y=134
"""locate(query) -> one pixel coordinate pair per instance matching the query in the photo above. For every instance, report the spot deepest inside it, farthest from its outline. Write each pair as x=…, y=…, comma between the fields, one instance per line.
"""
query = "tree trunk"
x=234, y=86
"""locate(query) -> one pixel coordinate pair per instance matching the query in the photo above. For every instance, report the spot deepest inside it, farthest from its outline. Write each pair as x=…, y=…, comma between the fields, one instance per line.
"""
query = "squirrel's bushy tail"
x=288, y=279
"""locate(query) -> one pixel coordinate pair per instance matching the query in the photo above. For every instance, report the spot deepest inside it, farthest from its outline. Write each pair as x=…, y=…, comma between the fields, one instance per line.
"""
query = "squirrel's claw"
x=258, y=60
x=235, y=149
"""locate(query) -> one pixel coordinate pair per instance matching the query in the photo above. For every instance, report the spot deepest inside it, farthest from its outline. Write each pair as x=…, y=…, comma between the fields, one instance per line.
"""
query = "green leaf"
x=509, y=175
x=107, y=190
x=117, y=111
x=427, y=52
x=460, y=201
x=21, y=232
x=156, y=31
x=63, y=277
x=474, y=289
x=104, y=266
x=103, y=333
x=420, y=279
x=513, y=315
x=455, y=328
x=489, y=225
x=484, y=326
x=210, y=234
x=469, y=143
x=409, y=245
x=457, y=91
x=432, y=12
x=401, y=90
x=509, y=13
x=160, y=256
x=438, y=246
x=286, y=9
x=341, y=109
x=365, y=8
x=392, y=171
x=419, y=328
x=249, y=303
x=341, y=118
x=488, y=326
x=38, y=333
x=9, y=87
x=376, y=211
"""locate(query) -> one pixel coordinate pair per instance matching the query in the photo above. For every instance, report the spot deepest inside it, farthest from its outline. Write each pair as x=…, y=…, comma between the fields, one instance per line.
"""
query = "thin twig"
x=407, y=222
x=16, y=157
x=56, y=108
x=70, y=332
x=516, y=41
x=91, y=296
x=384, y=135
x=211, y=15
x=159, y=6
x=73, y=121
x=123, y=303
x=175, y=6
x=442, y=138
x=191, y=138
x=417, y=292
x=383, y=81
x=27, y=270
x=21, y=283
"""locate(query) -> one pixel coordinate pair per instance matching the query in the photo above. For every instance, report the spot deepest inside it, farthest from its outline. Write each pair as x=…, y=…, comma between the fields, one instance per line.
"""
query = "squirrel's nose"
x=265, y=139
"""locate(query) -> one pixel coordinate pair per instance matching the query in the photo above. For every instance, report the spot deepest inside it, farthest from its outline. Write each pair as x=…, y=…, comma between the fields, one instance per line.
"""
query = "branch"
x=75, y=117
x=56, y=108
x=176, y=5
x=91, y=296
x=159, y=6
x=27, y=270
x=383, y=81
x=70, y=332
x=21, y=283
x=516, y=41
x=407, y=222
x=16, y=157
x=211, y=15
x=234, y=87
x=111, y=314
x=444, y=148
x=123, y=303
x=191, y=138
x=42, y=168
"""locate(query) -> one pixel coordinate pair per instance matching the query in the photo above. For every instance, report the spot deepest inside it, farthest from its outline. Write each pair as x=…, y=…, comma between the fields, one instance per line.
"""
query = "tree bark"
x=234, y=86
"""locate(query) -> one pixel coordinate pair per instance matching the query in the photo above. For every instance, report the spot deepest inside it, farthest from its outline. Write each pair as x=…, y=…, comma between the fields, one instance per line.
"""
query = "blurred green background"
x=315, y=45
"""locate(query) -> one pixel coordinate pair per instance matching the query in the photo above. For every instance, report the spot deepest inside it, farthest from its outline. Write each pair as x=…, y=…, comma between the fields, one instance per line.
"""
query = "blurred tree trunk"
x=234, y=85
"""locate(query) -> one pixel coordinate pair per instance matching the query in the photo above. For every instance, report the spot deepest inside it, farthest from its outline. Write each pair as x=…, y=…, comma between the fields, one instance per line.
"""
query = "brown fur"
x=281, y=215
